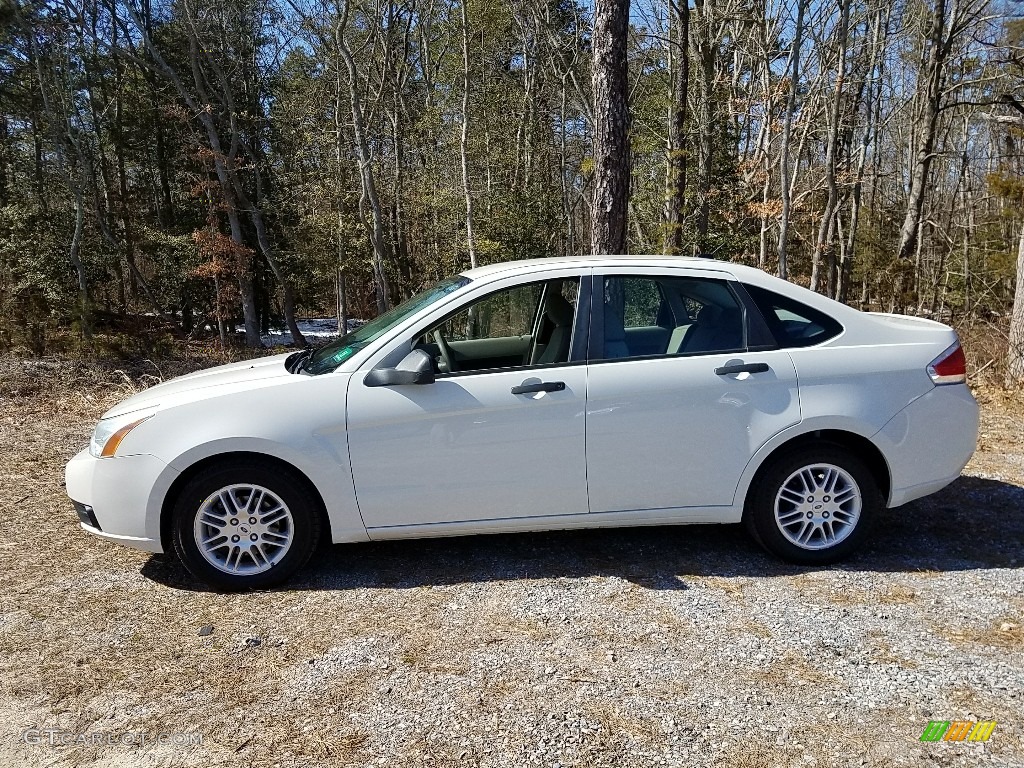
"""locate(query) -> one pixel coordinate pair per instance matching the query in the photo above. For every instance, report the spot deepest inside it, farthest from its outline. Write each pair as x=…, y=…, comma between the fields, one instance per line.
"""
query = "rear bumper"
x=929, y=442
x=903, y=496
x=119, y=498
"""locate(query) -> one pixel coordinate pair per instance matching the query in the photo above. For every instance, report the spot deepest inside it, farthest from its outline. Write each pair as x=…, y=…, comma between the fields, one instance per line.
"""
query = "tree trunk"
x=1015, y=358
x=165, y=203
x=267, y=249
x=287, y=292
x=230, y=201
x=4, y=139
x=826, y=231
x=707, y=55
x=339, y=191
x=787, y=131
x=84, y=302
x=60, y=141
x=369, y=198
x=675, y=197
x=222, y=327
x=241, y=200
x=105, y=214
x=927, y=122
x=569, y=227
x=246, y=287
x=342, y=297
x=611, y=128
x=879, y=36
x=464, y=139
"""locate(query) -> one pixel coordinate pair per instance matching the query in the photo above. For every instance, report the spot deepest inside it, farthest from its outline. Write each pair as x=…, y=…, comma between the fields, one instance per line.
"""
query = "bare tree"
x=706, y=34
x=826, y=232
x=200, y=101
x=873, y=81
x=786, y=191
x=373, y=219
x=948, y=22
x=1015, y=358
x=611, y=127
x=464, y=138
x=679, y=76
x=65, y=144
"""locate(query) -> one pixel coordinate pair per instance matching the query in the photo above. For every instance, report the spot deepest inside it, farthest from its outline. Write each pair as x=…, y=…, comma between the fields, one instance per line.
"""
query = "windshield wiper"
x=296, y=361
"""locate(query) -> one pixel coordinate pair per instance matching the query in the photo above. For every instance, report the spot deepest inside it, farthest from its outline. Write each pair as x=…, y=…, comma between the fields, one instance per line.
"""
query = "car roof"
x=624, y=260
x=742, y=271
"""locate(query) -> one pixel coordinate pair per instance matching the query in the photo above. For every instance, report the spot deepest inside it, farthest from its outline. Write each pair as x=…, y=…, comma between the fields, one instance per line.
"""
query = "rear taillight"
x=950, y=367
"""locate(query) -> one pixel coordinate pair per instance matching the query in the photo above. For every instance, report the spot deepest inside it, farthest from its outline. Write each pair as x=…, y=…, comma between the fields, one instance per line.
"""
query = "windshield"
x=329, y=357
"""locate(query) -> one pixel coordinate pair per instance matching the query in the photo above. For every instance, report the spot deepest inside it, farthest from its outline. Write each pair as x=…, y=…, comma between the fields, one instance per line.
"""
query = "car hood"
x=200, y=384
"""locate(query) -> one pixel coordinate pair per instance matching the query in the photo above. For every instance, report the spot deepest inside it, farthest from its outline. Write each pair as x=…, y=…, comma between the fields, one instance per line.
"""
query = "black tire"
x=299, y=525
x=796, y=520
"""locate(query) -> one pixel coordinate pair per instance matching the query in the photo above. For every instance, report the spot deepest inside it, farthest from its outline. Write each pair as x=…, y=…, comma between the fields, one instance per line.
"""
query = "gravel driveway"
x=660, y=646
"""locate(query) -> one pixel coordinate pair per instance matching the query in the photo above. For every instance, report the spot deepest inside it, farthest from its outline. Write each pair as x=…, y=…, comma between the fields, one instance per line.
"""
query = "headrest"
x=709, y=314
x=558, y=310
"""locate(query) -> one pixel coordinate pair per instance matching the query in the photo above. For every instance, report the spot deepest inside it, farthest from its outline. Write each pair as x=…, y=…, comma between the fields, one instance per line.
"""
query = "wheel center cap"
x=244, y=529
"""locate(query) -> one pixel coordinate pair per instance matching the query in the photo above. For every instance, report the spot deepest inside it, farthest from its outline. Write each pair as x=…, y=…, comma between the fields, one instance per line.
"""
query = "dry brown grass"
x=733, y=587
x=883, y=653
x=846, y=745
x=816, y=588
x=1006, y=632
x=792, y=670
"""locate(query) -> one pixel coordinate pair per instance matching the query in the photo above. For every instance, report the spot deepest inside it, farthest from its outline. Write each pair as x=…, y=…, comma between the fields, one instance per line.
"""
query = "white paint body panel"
x=122, y=492
x=465, y=448
x=297, y=419
x=669, y=432
x=943, y=416
x=628, y=442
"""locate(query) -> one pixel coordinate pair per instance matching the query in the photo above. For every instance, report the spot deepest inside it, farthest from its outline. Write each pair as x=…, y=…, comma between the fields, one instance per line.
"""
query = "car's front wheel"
x=245, y=525
x=813, y=506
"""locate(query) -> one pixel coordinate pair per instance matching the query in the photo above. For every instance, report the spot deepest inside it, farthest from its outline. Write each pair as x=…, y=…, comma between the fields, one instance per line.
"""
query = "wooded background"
x=213, y=162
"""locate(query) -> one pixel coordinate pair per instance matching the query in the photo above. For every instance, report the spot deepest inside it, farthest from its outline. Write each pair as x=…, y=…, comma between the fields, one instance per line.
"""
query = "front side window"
x=525, y=325
x=656, y=315
x=500, y=315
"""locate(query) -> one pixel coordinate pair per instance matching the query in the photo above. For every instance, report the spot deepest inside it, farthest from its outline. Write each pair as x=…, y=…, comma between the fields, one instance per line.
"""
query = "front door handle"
x=540, y=386
x=725, y=370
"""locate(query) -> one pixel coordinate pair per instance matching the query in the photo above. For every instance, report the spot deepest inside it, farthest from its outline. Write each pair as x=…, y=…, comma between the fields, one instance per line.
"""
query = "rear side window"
x=666, y=315
x=793, y=324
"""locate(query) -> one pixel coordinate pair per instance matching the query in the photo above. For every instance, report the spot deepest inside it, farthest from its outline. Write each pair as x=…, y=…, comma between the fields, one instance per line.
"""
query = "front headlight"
x=110, y=432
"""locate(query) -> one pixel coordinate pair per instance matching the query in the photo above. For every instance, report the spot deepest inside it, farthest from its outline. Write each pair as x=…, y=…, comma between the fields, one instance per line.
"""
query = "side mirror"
x=415, y=368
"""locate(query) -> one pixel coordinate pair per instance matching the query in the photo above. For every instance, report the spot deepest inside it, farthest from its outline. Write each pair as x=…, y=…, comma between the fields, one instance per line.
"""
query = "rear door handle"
x=540, y=386
x=725, y=370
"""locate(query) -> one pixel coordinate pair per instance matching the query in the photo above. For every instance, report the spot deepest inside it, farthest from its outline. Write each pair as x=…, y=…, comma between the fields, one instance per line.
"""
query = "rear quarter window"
x=793, y=324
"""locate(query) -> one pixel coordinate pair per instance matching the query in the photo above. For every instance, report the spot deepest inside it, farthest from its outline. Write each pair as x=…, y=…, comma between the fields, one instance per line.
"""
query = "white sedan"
x=536, y=395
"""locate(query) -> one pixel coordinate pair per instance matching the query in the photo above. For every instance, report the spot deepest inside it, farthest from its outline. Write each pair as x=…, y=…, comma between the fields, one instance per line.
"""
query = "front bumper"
x=120, y=498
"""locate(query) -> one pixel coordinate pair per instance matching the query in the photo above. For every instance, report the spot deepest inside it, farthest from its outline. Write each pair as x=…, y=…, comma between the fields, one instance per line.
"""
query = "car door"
x=676, y=426
x=499, y=434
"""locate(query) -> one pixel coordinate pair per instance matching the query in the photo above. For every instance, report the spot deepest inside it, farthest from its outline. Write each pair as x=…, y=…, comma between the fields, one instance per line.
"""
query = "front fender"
x=333, y=482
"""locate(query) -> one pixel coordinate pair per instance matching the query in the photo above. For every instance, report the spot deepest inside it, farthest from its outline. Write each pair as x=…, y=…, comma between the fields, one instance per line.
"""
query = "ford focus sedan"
x=538, y=395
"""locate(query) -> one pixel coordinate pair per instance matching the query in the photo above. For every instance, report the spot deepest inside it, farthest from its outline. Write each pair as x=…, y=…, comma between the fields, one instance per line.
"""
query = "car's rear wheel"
x=245, y=525
x=813, y=506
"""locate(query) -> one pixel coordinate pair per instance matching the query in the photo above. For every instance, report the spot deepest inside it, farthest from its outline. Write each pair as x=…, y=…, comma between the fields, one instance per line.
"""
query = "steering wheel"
x=446, y=352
